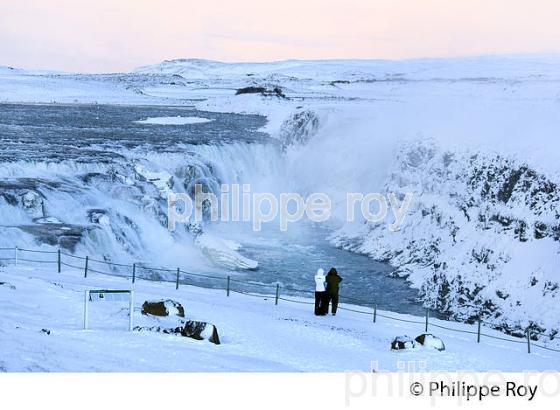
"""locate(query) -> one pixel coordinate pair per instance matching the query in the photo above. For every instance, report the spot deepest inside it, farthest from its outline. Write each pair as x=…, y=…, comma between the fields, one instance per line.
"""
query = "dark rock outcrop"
x=163, y=308
x=402, y=343
x=8, y=285
x=56, y=234
x=429, y=340
x=201, y=331
x=193, y=329
x=274, y=92
x=298, y=129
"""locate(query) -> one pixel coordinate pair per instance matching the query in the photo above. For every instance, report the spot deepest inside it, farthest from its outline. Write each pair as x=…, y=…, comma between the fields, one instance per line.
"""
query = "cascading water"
x=114, y=204
x=92, y=180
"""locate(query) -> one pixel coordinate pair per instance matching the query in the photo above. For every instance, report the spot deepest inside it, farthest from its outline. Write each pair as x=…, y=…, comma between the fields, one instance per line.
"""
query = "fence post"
x=16, y=255
x=58, y=260
x=86, y=267
x=177, y=282
x=528, y=340
x=374, y=313
x=131, y=312
x=427, y=319
x=277, y=294
x=133, y=272
x=227, y=287
x=478, y=334
x=86, y=302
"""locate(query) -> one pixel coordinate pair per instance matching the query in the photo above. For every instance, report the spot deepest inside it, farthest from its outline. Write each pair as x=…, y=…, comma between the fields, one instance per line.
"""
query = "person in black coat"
x=333, y=282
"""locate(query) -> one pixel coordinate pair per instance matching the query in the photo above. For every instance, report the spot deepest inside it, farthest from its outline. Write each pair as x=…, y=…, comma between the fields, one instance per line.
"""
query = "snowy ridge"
x=476, y=68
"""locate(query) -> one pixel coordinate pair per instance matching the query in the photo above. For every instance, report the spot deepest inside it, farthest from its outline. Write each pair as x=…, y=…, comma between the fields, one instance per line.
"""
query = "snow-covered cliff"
x=481, y=240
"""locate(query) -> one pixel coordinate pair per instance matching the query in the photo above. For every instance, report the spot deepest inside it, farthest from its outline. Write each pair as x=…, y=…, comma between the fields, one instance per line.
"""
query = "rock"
x=193, y=329
x=8, y=285
x=162, y=180
x=298, y=129
x=48, y=220
x=24, y=193
x=33, y=203
x=250, y=90
x=429, y=340
x=64, y=235
x=274, y=92
x=402, y=343
x=195, y=229
x=163, y=308
x=98, y=216
x=201, y=331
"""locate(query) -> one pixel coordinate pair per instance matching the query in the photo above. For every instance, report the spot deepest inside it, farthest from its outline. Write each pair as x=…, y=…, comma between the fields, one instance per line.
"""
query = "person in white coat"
x=320, y=293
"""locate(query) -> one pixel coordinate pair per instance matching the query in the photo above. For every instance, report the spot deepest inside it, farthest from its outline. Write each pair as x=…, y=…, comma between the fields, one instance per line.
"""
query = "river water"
x=291, y=259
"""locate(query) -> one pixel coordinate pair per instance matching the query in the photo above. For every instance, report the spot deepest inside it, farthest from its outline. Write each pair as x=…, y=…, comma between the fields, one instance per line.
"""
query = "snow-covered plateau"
x=474, y=140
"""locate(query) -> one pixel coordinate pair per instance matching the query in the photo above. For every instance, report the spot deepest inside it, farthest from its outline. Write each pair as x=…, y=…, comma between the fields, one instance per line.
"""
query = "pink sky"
x=118, y=35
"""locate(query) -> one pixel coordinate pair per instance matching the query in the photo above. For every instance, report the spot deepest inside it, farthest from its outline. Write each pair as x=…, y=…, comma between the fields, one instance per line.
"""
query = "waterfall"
x=118, y=210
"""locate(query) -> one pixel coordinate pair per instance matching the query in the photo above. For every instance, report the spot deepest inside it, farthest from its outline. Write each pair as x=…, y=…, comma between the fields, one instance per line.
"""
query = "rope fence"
x=190, y=279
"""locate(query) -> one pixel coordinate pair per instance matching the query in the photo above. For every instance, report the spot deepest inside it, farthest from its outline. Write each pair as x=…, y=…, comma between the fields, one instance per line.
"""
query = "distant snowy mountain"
x=475, y=68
